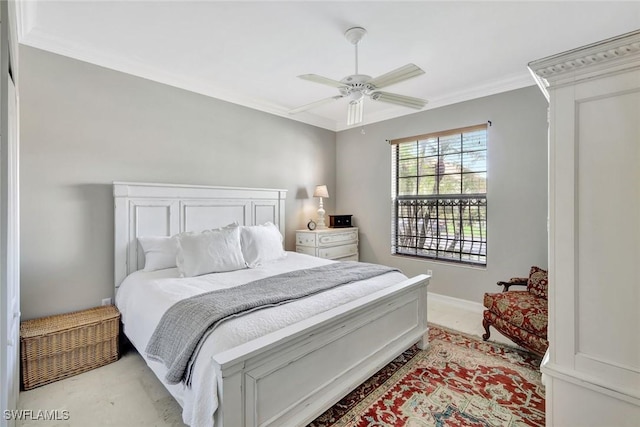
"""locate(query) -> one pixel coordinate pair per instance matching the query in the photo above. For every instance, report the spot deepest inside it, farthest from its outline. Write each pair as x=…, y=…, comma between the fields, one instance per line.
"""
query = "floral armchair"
x=520, y=315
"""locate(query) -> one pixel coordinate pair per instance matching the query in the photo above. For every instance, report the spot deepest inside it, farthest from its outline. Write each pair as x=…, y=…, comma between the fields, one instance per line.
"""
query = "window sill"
x=441, y=262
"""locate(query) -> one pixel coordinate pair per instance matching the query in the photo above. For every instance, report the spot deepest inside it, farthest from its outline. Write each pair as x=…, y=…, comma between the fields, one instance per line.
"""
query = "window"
x=439, y=190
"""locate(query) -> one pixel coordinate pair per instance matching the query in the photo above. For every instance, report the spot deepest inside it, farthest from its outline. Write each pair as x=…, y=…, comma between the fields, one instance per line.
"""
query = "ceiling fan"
x=357, y=86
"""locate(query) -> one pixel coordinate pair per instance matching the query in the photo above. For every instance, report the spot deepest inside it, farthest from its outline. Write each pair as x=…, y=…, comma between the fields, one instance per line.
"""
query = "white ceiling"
x=250, y=53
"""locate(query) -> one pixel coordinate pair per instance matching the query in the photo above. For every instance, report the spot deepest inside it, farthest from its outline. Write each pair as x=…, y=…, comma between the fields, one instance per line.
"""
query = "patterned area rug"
x=459, y=380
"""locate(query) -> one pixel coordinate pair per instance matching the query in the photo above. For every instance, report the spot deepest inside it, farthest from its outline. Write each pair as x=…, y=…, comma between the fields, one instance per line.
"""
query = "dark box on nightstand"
x=340, y=221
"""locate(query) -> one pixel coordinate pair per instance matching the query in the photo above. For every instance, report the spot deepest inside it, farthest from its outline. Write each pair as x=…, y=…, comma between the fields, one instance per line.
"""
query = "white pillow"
x=261, y=244
x=211, y=251
x=159, y=252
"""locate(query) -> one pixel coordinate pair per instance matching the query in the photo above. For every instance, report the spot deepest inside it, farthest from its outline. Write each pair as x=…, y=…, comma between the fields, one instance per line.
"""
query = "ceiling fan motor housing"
x=356, y=84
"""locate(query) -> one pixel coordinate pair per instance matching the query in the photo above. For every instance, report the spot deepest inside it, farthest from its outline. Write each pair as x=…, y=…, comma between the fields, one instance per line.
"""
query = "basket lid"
x=58, y=322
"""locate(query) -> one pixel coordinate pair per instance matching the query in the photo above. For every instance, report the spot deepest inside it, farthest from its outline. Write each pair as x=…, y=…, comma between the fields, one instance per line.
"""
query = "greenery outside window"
x=439, y=191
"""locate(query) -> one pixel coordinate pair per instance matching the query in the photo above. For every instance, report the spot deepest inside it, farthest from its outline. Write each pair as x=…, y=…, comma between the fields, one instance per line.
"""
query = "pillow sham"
x=159, y=252
x=261, y=244
x=210, y=251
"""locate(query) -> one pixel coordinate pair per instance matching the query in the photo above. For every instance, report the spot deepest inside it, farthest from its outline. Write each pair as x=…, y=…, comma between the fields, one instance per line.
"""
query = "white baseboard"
x=464, y=304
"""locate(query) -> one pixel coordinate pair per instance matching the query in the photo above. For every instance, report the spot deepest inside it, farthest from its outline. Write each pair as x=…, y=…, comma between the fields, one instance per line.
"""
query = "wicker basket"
x=64, y=345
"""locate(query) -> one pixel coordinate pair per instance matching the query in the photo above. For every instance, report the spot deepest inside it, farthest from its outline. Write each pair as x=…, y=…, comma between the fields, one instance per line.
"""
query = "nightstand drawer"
x=306, y=250
x=338, y=251
x=306, y=239
x=338, y=238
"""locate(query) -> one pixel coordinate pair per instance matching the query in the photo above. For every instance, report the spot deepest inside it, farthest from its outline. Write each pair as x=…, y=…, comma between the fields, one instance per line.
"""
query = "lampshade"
x=321, y=191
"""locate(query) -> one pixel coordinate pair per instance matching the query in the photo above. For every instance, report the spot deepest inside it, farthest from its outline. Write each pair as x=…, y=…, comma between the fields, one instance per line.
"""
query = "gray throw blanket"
x=186, y=324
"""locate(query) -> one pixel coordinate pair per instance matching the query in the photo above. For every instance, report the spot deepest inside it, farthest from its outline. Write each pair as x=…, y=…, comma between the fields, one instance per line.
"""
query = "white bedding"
x=143, y=297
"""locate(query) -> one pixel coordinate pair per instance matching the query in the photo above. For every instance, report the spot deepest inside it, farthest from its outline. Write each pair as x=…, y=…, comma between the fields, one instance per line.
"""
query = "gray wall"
x=83, y=126
x=516, y=193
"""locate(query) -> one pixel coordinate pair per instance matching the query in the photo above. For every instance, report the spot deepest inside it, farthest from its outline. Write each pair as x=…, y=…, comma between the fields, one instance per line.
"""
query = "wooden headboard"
x=146, y=209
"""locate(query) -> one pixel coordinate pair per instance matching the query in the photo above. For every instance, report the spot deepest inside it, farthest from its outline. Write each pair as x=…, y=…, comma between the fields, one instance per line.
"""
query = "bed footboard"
x=289, y=377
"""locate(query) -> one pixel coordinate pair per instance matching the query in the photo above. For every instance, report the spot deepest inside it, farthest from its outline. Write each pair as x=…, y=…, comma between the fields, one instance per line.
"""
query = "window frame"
x=467, y=211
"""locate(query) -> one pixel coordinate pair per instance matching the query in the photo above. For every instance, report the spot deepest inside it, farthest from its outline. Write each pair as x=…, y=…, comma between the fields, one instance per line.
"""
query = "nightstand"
x=331, y=243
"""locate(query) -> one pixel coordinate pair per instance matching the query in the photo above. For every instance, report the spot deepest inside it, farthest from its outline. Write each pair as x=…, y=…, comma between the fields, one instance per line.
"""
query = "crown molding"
x=26, y=13
x=41, y=40
x=611, y=55
x=513, y=82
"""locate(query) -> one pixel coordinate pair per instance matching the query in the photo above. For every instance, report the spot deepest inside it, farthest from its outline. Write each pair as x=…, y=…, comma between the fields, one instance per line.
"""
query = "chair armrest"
x=515, y=281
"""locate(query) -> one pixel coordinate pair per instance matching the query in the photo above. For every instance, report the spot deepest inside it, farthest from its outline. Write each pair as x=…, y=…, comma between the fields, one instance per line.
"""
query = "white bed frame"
x=288, y=377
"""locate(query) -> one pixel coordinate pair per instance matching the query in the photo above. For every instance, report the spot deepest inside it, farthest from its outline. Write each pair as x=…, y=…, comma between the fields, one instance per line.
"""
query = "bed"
x=279, y=366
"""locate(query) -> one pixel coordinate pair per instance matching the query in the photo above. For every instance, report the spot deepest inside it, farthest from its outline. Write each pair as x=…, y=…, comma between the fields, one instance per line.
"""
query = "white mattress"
x=143, y=297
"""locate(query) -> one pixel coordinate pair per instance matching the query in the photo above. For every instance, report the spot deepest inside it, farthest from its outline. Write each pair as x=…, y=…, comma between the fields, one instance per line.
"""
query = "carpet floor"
x=459, y=380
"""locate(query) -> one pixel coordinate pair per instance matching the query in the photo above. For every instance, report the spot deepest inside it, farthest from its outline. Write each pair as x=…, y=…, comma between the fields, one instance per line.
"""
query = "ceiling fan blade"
x=394, y=98
x=355, y=112
x=314, y=104
x=322, y=80
x=396, y=76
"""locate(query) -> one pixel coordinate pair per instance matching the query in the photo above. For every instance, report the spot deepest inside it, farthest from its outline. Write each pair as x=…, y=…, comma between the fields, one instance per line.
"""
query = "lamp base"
x=320, y=224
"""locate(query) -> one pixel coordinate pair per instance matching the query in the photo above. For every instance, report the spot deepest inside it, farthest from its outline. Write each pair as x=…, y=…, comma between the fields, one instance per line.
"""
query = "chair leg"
x=486, y=325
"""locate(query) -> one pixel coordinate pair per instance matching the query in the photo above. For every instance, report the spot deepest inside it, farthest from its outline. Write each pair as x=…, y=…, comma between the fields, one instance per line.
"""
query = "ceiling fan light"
x=355, y=112
x=356, y=95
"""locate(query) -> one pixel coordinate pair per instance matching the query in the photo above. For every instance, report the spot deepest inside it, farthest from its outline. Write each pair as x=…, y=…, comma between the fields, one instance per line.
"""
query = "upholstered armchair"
x=521, y=315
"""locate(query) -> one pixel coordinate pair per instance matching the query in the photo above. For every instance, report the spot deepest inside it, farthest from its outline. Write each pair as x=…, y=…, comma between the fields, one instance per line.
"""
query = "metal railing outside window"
x=439, y=196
